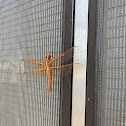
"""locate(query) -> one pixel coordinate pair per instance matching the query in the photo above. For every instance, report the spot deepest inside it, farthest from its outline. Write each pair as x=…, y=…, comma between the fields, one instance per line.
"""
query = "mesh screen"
x=110, y=64
x=29, y=29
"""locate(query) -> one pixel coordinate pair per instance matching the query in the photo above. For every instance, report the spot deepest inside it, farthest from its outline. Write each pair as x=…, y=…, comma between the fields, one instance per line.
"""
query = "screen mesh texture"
x=29, y=29
x=110, y=64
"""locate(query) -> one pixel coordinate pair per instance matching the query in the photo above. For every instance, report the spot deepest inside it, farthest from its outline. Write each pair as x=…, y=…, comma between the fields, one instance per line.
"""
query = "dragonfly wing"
x=37, y=71
x=62, y=55
x=35, y=75
x=68, y=57
x=34, y=62
x=65, y=66
x=65, y=69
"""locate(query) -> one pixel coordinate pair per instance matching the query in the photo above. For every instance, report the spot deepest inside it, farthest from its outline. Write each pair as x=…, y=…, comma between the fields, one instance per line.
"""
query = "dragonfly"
x=48, y=66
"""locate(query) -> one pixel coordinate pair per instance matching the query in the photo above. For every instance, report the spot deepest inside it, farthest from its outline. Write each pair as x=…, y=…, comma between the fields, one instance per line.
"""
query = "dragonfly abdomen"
x=49, y=75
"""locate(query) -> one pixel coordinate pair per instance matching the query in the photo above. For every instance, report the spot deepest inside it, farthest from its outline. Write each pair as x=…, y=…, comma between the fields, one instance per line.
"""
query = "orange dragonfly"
x=49, y=67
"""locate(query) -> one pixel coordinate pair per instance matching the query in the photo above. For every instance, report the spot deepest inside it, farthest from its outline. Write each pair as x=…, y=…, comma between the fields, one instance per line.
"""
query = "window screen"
x=110, y=64
x=29, y=29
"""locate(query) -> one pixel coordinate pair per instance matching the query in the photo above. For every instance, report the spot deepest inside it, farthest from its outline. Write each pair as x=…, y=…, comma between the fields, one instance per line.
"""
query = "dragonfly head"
x=47, y=56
